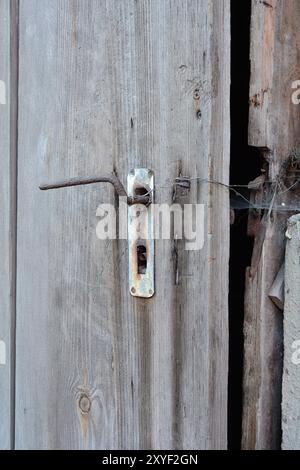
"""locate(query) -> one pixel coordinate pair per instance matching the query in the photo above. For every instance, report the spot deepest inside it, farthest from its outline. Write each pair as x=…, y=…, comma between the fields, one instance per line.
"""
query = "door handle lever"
x=111, y=178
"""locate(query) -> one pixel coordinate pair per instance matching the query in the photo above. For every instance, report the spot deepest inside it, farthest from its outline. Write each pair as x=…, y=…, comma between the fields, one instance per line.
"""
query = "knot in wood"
x=84, y=404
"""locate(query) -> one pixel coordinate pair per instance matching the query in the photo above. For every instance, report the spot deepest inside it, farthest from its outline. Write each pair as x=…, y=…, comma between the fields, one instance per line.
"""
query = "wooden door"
x=105, y=85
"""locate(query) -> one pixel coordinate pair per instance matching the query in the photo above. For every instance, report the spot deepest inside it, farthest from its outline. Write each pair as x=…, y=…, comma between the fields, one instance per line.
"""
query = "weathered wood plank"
x=8, y=139
x=291, y=382
x=121, y=84
x=275, y=128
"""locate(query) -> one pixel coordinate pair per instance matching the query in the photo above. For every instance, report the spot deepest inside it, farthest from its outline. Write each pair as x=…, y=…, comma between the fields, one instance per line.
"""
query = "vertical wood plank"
x=8, y=140
x=121, y=84
x=291, y=383
x=274, y=127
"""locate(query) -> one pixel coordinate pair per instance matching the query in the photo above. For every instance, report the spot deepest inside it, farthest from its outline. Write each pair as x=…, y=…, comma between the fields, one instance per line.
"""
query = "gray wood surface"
x=274, y=127
x=121, y=84
x=291, y=382
x=8, y=109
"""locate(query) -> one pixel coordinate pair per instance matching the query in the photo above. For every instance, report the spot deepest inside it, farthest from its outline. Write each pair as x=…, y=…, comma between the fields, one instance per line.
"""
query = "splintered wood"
x=274, y=127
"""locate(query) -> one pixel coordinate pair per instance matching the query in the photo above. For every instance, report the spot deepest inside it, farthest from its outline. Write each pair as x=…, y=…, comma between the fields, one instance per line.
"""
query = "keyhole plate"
x=140, y=235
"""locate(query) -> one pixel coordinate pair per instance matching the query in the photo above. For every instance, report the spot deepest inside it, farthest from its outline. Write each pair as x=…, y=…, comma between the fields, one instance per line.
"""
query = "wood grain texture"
x=291, y=383
x=8, y=139
x=103, y=85
x=274, y=127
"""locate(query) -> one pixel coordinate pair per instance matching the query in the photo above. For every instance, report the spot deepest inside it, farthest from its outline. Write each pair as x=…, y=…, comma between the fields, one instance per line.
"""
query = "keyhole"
x=141, y=257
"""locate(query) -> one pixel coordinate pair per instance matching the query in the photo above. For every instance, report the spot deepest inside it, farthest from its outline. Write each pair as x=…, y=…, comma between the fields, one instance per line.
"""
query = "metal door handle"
x=111, y=178
x=140, y=184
